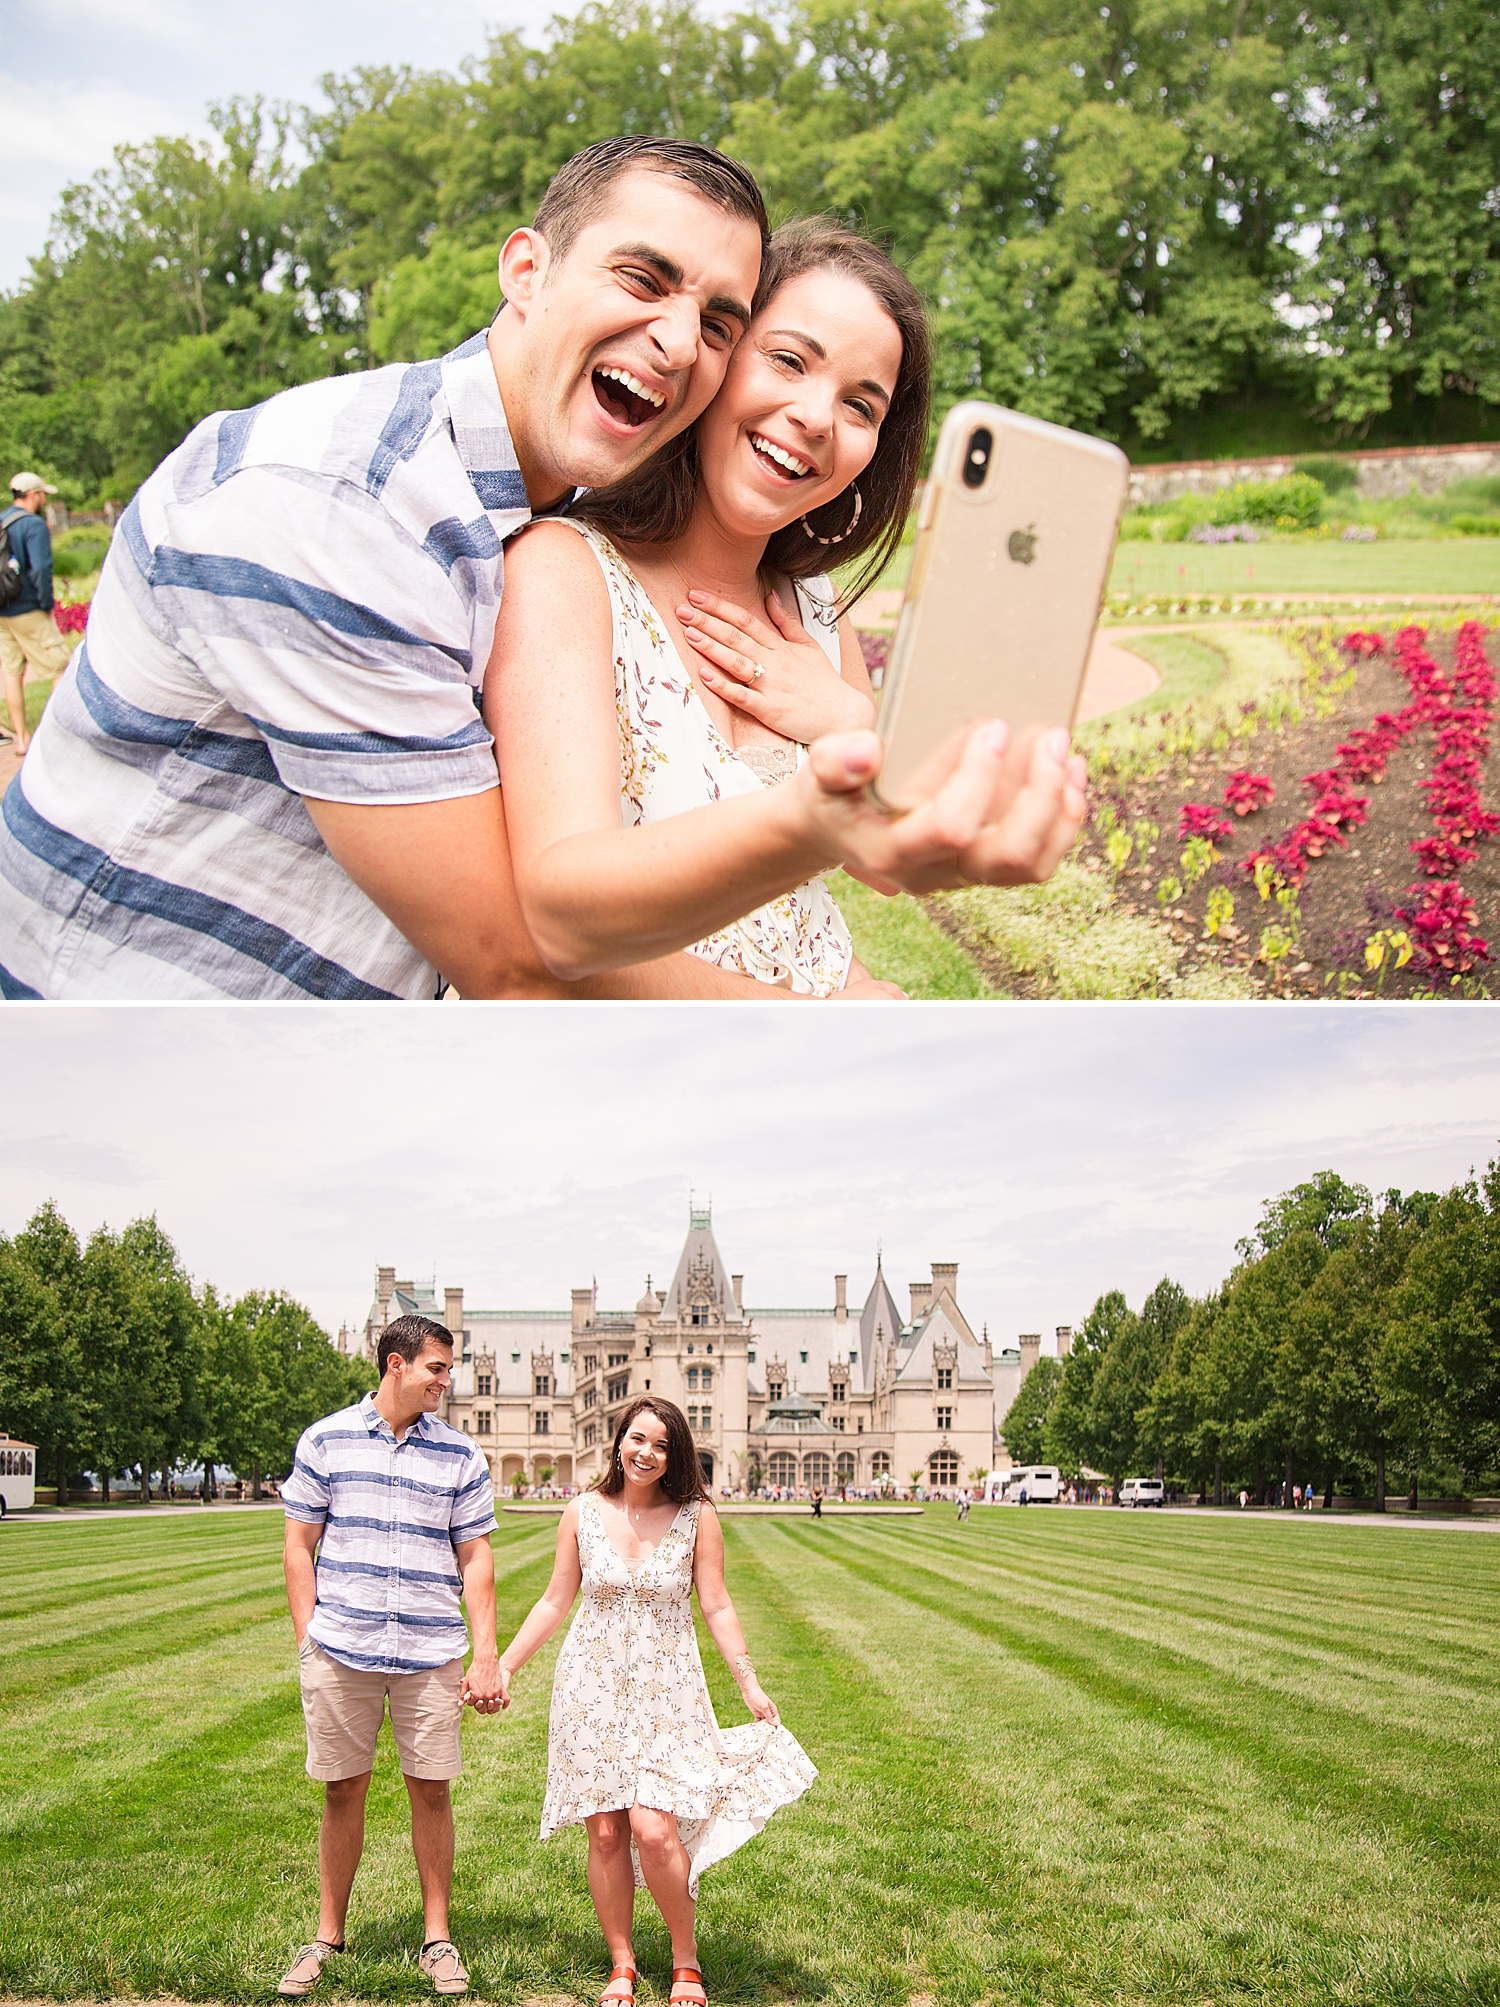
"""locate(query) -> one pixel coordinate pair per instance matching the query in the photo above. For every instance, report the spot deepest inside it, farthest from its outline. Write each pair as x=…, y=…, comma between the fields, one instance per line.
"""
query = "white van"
x=1143, y=1491
x=1034, y=1484
x=17, y=1476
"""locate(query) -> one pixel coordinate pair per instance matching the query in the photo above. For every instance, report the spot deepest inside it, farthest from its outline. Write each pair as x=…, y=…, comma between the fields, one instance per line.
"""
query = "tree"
x=1024, y=1425
x=1066, y=1441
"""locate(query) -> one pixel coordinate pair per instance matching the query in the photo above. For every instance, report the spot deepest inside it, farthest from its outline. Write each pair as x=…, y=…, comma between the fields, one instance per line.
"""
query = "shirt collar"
x=375, y=1421
x=482, y=435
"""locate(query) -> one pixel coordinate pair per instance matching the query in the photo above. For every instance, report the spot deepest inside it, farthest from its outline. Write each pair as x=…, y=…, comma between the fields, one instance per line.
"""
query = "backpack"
x=12, y=576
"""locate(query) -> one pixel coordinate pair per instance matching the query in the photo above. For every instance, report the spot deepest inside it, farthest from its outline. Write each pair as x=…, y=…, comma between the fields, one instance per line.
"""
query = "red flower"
x=1199, y=818
x=72, y=619
x=1246, y=792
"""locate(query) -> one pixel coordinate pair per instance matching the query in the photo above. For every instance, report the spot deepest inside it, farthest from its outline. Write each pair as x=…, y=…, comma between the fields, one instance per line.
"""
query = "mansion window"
x=774, y=1390
x=815, y=1468
x=751, y=1357
x=698, y=1314
x=804, y=1358
x=944, y=1378
x=483, y=1385
x=543, y=1384
x=591, y=1365
x=483, y=1422
x=841, y=1390
x=465, y=1425
x=590, y=1435
x=838, y=1423
x=942, y=1467
x=845, y=1466
x=515, y=1358
x=541, y=1422
x=700, y=1418
x=782, y=1468
x=945, y=1418
x=619, y=1359
x=853, y=1358
x=880, y=1463
x=700, y=1376
x=859, y=1426
x=590, y=1396
x=618, y=1389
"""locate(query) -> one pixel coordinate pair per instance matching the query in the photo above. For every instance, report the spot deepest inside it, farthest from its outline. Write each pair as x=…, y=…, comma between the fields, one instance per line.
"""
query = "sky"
x=1053, y=1151
x=78, y=77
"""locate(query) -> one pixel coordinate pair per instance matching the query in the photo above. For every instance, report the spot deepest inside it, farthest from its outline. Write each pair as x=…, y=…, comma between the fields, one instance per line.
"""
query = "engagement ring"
x=757, y=670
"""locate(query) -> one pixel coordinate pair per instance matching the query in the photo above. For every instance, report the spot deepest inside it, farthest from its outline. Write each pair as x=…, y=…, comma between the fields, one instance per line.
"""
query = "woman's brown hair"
x=682, y=1480
x=654, y=505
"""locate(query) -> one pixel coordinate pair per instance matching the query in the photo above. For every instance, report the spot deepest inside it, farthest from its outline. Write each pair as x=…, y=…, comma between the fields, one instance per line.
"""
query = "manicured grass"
x=1451, y=564
x=1066, y=1757
x=897, y=941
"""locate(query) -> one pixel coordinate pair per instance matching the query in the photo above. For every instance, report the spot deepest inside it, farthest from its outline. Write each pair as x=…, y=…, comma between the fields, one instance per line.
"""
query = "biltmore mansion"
x=818, y=1396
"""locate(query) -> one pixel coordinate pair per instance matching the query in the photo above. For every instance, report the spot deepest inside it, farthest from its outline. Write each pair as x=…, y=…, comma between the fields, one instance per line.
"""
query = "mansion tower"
x=780, y=1396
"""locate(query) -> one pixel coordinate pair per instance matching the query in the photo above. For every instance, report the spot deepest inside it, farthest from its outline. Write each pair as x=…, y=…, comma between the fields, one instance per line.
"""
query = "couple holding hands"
x=522, y=672
x=389, y=1512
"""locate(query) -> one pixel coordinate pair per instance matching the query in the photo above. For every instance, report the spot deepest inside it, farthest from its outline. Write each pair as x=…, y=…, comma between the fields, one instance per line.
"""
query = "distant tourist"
x=388, y=1518
x=634, y=1752
x=28, y=631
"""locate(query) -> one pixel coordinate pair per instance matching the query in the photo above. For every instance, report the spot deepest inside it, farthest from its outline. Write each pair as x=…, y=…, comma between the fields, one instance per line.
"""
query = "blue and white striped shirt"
x=301, y=600
x=392, y=1513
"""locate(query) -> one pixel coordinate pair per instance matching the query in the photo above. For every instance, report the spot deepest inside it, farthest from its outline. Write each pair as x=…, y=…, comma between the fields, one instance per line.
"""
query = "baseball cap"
x=25, y=484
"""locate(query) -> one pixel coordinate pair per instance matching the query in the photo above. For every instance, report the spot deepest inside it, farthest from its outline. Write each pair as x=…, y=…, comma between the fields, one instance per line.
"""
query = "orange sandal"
x=619, y=1999
x=687, y=1987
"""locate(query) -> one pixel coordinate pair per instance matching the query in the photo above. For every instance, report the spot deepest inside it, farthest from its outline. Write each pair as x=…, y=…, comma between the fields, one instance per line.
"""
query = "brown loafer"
x=444, y=1967
x=306, y=1968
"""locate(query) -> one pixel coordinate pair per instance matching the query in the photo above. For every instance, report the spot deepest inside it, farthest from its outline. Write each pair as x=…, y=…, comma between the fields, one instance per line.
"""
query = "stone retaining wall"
x=1377, y=475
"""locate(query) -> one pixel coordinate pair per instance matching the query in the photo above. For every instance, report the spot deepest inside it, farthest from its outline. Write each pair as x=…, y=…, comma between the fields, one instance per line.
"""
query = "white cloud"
x=177, y=23
x=75, y=126
x=1053, y=1152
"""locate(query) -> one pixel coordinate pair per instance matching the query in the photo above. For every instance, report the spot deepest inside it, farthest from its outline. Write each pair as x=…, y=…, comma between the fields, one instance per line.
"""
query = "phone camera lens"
x=977, y=456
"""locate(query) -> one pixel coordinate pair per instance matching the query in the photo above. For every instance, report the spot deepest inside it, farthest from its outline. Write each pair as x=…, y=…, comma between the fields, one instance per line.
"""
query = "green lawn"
x=1066, y=1757
x=1434, y=565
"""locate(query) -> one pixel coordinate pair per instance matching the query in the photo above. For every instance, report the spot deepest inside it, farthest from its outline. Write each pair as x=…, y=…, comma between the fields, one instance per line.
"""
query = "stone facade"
x=795, y=1396
x=1379, y=473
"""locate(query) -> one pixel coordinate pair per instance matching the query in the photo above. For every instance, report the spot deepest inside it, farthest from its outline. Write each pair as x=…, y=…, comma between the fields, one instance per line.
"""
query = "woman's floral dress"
x=632, y=1722
x=673, y=759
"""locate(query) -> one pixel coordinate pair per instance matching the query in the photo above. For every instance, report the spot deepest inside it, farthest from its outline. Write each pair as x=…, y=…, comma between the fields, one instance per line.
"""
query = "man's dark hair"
x=580, y=188
x=682, y=1480
x=409, y=1336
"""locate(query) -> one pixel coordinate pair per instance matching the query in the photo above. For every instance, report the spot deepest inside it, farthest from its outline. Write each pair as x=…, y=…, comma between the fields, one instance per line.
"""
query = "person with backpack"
x=28, y=632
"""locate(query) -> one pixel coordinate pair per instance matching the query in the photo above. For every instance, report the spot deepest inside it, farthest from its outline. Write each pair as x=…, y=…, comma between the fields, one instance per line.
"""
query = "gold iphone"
x=1014, y=538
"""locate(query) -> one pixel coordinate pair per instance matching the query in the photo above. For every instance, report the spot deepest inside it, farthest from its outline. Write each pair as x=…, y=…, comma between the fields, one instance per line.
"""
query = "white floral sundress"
x=673, y=759
x=631, y=1719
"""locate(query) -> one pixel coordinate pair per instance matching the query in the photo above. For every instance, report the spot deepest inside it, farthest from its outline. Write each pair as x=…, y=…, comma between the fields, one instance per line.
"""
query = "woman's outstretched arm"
x=599, y=896
x=720, y=1616
x=551, y=1607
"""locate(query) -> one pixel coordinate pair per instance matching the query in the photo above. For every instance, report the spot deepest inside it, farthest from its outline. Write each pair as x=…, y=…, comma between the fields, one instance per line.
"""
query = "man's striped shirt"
x=392, y=1513
x=301, y=600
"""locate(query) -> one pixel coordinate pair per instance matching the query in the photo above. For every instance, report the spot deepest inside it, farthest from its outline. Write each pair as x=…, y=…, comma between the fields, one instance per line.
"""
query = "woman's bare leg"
x=664, y=1863
x=612, y=1882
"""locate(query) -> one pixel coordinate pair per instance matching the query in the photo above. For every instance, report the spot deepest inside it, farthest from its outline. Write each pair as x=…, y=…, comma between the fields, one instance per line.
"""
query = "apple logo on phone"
x=1022, y=545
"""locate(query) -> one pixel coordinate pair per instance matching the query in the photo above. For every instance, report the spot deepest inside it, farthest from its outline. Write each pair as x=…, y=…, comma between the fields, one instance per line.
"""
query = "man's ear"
x=524, y=258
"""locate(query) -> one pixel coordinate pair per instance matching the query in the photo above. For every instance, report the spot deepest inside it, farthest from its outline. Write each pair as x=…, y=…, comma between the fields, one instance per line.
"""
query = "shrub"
x=1475, y=526
x=1296, y=501
x=1339, y=477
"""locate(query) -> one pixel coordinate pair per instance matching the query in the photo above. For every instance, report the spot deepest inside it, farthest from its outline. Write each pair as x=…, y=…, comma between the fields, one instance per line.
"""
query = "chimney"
x=583, y=1310
x=405, y=1288
x=945, y=1276
x=453, y=1311
x=1031, y=1345
x=841, y=1299
x=737, y=1282
x=385, y=1283
x=1064, y=1340
x=921, y=1296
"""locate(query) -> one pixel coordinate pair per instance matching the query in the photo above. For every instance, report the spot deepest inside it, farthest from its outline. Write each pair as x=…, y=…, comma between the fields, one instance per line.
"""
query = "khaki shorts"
x=344, y=1709
x=32, y=638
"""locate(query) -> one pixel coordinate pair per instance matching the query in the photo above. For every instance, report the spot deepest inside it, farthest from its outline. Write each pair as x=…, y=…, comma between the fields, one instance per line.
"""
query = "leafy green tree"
x=1066, y=1440
x=1024, y=1425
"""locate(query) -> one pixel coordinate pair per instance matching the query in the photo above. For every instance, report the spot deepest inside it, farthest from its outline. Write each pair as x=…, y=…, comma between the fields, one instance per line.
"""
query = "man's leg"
x=341, y=1841
x=432, y=1843
x=13, y=667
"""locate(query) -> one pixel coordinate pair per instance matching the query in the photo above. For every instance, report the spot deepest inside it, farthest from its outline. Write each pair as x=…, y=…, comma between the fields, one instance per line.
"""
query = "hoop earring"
x=859, y=503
